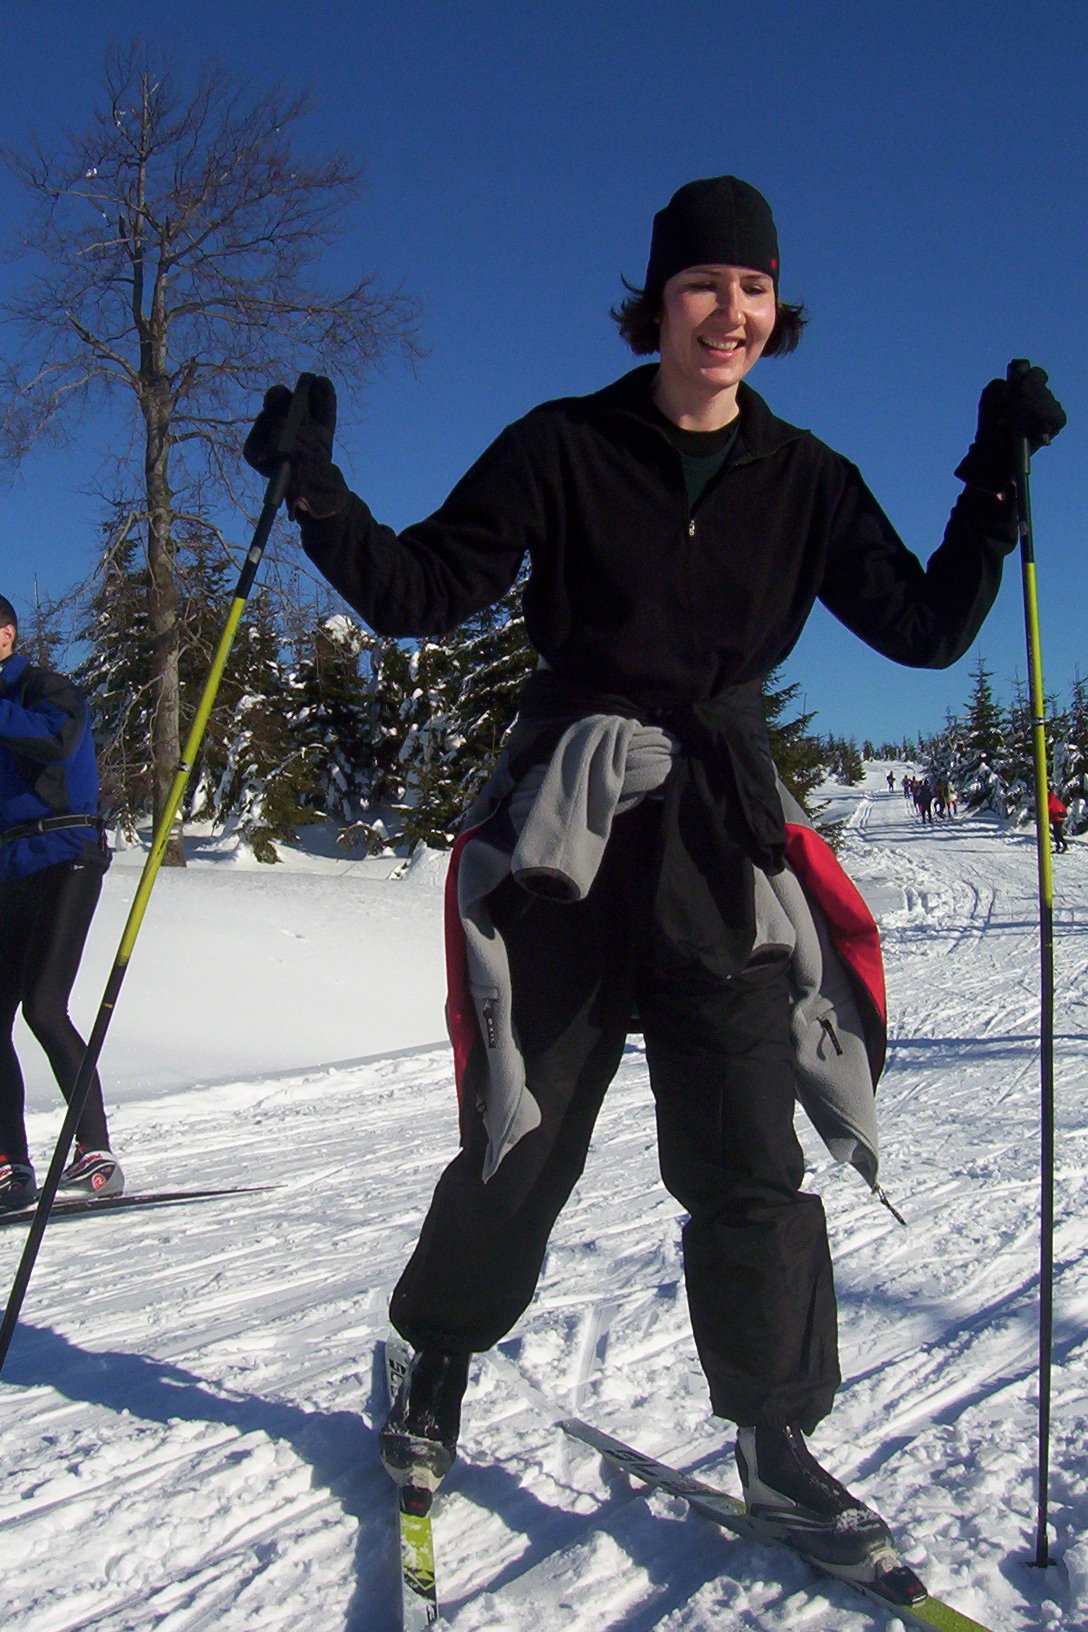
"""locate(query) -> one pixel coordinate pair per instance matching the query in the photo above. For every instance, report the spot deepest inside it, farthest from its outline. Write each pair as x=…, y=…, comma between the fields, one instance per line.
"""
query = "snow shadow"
x=673, y=1553
x=934, y=1052
x=338, y=1446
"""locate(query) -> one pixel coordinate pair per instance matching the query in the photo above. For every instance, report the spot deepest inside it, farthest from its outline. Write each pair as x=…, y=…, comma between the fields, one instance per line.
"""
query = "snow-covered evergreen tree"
x=843, y=760
x=116, y=677
x=975, y=771
x=1016, y=765
x=331, y=724
x=266, y=772
x=461, y=701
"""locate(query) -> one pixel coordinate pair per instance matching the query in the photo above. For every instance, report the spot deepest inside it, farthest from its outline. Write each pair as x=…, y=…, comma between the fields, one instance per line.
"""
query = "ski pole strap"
x=49, y=824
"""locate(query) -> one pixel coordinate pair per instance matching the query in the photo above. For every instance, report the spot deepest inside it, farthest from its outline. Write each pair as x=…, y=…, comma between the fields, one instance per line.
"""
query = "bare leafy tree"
x=175, y=269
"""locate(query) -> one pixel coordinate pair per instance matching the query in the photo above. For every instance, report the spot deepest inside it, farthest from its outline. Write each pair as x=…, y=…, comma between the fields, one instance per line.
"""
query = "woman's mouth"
x=721, y=345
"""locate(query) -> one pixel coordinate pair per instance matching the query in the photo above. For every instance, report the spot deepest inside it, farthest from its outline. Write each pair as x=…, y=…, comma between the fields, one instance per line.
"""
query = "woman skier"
x=53, y=856
x=678, y=534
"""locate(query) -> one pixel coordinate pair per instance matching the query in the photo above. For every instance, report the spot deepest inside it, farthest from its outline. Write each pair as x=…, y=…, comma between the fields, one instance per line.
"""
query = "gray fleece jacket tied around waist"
x=561, y=813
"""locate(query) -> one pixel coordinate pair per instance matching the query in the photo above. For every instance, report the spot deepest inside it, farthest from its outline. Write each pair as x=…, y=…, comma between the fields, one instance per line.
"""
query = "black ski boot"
x=791, y=1499
x=418, y=1442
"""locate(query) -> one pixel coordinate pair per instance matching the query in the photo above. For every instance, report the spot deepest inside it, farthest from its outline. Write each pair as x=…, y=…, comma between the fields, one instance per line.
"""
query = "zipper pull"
x=691, y=528
x=829, y=1031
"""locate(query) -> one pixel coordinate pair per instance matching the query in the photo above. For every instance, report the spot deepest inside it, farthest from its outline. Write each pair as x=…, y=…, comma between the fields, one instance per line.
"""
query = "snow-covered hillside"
x=188, y=1413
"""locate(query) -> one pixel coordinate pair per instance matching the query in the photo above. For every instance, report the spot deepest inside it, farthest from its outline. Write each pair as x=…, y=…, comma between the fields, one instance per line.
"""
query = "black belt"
x=49, y=824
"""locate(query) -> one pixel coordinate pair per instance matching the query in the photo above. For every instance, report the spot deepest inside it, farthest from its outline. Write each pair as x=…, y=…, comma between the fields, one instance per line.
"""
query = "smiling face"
x=714, y=323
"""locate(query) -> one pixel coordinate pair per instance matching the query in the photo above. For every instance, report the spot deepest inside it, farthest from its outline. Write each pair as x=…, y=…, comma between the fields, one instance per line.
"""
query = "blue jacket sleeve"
x=48, y=726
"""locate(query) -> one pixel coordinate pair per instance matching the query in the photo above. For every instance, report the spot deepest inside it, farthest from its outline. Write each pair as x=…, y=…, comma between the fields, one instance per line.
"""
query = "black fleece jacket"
x=631, y=594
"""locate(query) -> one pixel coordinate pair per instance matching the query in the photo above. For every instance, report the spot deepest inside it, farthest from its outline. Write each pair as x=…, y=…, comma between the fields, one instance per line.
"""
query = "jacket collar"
x=761, y=433
x=11, y=668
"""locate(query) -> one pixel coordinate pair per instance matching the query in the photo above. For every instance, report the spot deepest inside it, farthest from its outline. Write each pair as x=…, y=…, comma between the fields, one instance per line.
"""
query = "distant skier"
x=1058, y=814
x=924, y=799
x=679, y=535
x=52, y=858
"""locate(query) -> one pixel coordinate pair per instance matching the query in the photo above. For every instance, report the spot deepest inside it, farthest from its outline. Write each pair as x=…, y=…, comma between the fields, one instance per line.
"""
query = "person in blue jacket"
x=52, y=859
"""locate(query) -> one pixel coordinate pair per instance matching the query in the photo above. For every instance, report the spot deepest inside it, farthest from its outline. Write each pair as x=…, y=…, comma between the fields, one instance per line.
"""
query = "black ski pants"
x=44, y=920
x=756, y=1262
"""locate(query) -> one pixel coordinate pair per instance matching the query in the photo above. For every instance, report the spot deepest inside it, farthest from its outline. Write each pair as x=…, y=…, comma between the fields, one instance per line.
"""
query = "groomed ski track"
x=188, y=1412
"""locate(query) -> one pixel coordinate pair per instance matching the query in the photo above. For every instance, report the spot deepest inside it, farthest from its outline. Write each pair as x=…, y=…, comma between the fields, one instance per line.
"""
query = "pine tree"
x=943, y=753
x=798, y=755
x=204, y=576
x=461, y=703
x=389, y=682
x=258, y=773
x=1016, y=761
x=331, y=723
x=842, y=759
x=981, y=746
x=116, y=677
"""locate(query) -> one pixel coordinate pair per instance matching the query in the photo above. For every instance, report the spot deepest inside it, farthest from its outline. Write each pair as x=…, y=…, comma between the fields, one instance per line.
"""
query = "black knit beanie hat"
x=721, y=221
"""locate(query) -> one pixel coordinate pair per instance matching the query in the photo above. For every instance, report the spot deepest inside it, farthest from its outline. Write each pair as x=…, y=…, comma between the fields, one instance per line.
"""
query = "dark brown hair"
x=7, y=614
x=637, y=319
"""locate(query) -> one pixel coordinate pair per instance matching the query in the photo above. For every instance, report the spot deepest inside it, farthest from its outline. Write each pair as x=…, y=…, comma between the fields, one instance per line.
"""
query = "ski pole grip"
x=285, y=447
x=1016, y=369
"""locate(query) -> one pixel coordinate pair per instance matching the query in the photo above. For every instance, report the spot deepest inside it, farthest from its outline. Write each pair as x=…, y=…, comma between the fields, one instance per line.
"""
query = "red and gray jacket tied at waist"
x=739, y=869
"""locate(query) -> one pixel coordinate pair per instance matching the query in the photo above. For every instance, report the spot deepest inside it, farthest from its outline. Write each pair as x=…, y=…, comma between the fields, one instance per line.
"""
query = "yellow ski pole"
x=274, y=494
x=1037, y=705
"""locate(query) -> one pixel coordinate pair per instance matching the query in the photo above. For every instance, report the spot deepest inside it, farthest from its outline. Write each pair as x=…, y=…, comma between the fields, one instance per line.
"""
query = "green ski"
x=905, y=1596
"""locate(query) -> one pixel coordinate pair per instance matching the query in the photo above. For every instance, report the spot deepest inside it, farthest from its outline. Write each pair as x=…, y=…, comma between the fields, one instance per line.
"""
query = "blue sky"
x=928, y=168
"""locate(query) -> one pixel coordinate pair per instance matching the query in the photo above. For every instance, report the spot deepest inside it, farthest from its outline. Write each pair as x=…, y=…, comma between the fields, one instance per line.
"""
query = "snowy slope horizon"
x=190, y=1405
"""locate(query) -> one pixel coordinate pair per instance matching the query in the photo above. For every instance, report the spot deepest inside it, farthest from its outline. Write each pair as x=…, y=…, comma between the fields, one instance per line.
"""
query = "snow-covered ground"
x=188, y=1412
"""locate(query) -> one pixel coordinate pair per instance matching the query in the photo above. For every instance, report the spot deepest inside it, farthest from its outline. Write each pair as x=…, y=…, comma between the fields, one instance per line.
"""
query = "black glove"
x=1007, y=410
x=316, y=486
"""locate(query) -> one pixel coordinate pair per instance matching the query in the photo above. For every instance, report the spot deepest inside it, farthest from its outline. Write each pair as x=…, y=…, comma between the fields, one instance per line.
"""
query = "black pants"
x=756, y=1261
x=44, y=920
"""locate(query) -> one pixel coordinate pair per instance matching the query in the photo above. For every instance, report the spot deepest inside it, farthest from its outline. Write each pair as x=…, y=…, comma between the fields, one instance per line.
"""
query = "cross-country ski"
x=896, y=1590
x=414, y=1502
x=85, y=1206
